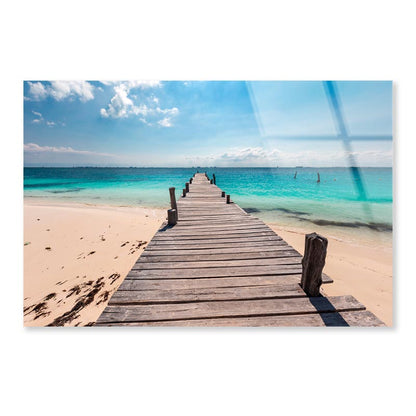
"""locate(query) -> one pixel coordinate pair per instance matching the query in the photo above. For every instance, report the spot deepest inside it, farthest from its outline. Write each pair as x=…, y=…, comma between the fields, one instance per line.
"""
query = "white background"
x=325, y=371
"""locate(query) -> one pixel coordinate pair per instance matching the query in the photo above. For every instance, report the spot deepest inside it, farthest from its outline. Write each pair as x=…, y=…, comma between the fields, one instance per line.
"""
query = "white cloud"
x=60, y=90
x=249, y=153
x=37, y=91
x=135, y=84
x=165, y=122
x=35, y=148
x=259, y=156
x=171, y=111
x=63, y=89
x=39, y=118
x=122, y=105
x=144, y=84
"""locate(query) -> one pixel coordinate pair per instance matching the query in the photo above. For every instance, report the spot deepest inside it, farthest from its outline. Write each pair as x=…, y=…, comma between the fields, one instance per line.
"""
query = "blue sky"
x=203, y=123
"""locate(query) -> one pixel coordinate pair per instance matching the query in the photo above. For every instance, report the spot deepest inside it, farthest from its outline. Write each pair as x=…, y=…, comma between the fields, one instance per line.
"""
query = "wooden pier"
x=212, y=264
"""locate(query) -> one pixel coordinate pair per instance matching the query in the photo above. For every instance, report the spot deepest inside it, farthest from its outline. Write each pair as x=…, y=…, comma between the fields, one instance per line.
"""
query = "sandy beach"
x=77, y=255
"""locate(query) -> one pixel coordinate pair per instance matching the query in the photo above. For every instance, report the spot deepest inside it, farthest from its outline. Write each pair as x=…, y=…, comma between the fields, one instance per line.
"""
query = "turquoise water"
x=273, y=193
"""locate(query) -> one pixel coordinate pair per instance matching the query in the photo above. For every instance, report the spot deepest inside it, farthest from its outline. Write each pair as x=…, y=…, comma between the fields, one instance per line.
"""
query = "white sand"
x=86, y=243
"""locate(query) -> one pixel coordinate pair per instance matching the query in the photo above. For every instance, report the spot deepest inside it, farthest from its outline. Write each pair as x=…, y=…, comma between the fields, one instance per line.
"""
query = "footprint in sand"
x=76, y=290
x=40, y=310
x=103, y=297
x=114, y=277
x=81, y=303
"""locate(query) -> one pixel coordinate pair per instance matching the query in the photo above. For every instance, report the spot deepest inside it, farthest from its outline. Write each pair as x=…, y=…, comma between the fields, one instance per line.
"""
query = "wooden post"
x=172, y=216
x=312, y=263
x=319, y=178
x=223, y=194
x=187, y=186
x=228, y=199
x=173, y=202
x=172, y=198
x=190, y=180
x=295, y=175
x=184, y=192
x=213, y=177
x=211, y=181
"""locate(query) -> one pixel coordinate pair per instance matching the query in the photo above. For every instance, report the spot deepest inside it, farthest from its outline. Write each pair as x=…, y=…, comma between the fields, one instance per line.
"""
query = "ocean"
x=273, y=194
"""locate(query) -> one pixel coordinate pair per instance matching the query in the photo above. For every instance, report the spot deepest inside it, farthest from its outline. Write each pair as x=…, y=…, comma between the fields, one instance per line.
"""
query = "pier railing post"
x=223, y=194
x=228, y=199
x=214, y=179
x=312, y=263
x=172, y=198
x=190, y=180
x=173, y=201
x=184, y=192
x=172, y=216
x=187, y=186
x=211, y=181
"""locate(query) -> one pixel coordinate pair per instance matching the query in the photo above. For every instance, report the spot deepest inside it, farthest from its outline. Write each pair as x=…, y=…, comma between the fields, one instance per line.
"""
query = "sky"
x=205, y=123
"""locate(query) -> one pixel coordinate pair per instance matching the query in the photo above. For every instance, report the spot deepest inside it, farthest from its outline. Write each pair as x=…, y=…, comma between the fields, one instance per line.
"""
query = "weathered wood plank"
x=216, y=272
x=143, y=265
x=224, y=309
x=134, y=297
x=208, y=225
x=202, y=238
x=186, y=221
x=209, y=283
x=234, y=234
x=155, y=245
x=330, y=319
x=220, y=229
x=255, y=251
x=210, y=257
x=207, y=239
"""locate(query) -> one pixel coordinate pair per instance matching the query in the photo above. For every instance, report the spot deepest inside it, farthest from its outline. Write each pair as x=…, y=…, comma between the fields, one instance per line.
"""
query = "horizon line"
x=204, y=167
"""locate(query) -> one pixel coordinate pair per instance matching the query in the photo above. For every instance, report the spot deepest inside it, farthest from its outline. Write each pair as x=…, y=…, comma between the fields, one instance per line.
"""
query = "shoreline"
x=359, y=263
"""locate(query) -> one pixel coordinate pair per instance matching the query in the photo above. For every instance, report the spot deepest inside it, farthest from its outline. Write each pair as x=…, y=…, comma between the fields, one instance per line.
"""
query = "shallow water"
x=272, y=193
